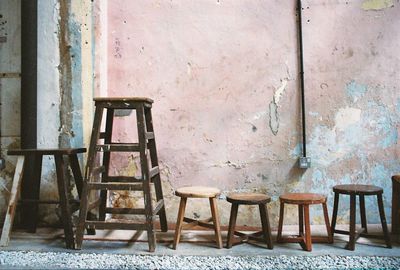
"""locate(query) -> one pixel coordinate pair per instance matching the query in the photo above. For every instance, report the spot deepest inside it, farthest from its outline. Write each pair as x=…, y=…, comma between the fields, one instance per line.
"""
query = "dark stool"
x=198, y=192
x=31, y=189
x=395, y=204
x=249, y=199
x=353, y=191
x=304, y=200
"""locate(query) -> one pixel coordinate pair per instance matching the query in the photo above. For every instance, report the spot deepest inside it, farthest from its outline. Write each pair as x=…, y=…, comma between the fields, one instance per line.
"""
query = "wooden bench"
x=30, y=190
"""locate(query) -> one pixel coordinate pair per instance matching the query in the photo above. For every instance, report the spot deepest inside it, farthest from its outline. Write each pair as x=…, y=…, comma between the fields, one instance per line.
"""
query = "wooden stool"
x=395, y=204
x=31, y=189
x=249, y=199
x=303, y=200
x=198, y=192
x=353, y=191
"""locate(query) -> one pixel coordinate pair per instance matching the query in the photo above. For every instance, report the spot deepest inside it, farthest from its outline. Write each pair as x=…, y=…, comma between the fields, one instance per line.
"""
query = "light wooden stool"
x=249, y=199
x=198, y=192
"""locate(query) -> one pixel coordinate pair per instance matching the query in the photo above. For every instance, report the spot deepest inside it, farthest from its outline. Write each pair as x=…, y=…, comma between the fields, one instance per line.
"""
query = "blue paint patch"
x=398, y=105
x=313, y=114
x=76, y=82
x=355, y=90
x=379, y=173
x=390, y=139
x=296, y=152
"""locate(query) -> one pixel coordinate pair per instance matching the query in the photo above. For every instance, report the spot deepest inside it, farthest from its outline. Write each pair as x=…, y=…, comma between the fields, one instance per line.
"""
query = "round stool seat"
x=248, y=198
x=302, y=198
x=197, y=192
x=358, y=189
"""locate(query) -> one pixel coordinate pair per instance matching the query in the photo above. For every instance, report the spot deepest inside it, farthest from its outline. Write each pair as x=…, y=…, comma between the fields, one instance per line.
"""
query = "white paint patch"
x=279, y=92
x=346, y=117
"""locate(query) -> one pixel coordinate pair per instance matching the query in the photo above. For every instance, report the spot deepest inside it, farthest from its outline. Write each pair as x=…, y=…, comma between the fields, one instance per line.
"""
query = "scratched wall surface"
x=224, y=77
x=10, y=85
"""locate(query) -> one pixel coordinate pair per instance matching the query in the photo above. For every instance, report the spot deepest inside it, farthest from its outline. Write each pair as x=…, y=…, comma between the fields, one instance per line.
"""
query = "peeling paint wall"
x=10, y=90
x=65, y=86
x=224, y=77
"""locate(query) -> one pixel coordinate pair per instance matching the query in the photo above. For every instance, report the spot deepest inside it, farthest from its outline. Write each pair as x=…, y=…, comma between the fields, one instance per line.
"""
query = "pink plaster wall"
x=216, y=69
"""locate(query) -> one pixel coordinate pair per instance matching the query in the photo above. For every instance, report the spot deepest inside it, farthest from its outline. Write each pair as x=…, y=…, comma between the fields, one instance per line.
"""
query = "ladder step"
x=125, y=211
x=94, y=204
x=149, y=135
x=154, y=171
x=115, y=186
x=98, y=170
x=122, y=179
x=158, y=207
x=132, y=211
x=116, y=224
x=123, y=147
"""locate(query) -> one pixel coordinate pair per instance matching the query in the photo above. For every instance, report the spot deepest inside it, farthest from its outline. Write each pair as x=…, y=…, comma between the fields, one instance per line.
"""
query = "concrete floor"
x=196, y=243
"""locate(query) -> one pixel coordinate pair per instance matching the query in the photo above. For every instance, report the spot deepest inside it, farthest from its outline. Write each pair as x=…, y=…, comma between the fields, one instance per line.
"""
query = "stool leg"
x=64, y=202
x=327, y=224
x=395, y=206
x=265, y=225
x=154, y=162
x=307, y=235
x=301, y=220
x=106, y=162
x=352, y=233
x=215, y=216
x=281, y=213
x=232, y=223
x=179, y=222
x=383, y=221
x=334, y=214
x=362, y=214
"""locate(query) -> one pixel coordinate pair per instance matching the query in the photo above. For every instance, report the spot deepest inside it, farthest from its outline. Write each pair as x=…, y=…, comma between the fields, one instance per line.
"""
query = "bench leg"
x=30, y=190
x=12, y=204
x=64, y=202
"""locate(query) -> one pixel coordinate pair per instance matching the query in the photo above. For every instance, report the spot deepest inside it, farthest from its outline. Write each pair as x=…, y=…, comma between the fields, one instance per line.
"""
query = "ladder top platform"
x=123, y=99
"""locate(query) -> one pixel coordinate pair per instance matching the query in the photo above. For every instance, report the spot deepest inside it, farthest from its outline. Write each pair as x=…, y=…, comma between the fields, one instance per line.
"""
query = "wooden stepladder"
x=150, y=173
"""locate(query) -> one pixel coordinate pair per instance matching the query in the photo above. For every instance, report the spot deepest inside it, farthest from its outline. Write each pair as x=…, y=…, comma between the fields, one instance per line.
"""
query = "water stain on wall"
x=377, y=4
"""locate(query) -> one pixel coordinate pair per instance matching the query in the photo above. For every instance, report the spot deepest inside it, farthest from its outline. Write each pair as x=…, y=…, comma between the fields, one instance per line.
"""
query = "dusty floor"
x=197, y=243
